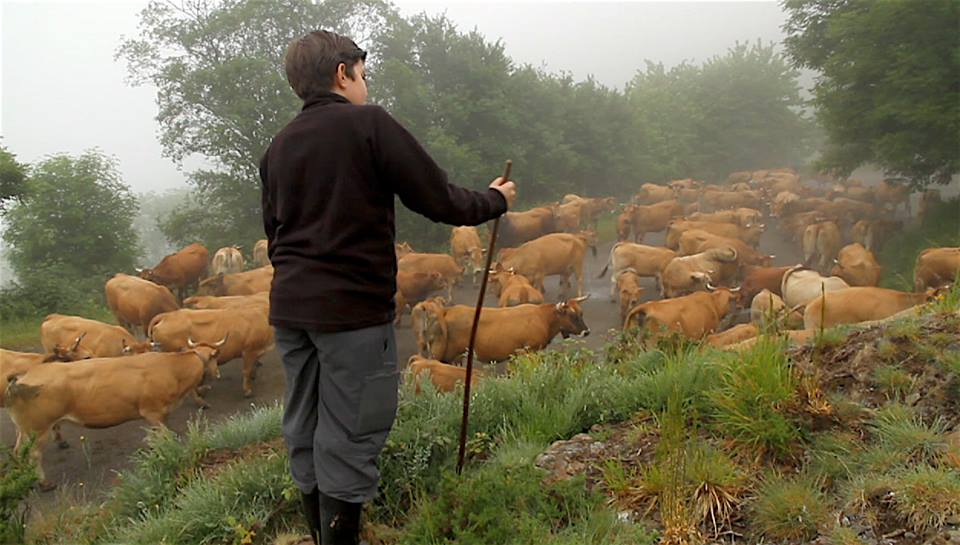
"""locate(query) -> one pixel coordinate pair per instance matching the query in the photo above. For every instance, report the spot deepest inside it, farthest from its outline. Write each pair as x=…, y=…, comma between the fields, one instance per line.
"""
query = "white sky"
x=62, y=91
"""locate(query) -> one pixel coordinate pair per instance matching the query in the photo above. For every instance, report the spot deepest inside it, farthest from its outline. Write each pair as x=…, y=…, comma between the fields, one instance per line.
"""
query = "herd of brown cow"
x=708, y=267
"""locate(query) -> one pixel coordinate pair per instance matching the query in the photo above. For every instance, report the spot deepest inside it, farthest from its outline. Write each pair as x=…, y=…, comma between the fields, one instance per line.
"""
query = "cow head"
x=146, y=274
x=74, y=352
x=724, y=299
x=135, y=347
x=590, y=237
x=570, y=317
x=211, y=286
x=208, y=354
x=402, y=249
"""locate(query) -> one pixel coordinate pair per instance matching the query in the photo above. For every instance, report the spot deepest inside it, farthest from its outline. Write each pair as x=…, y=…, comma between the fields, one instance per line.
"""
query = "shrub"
x=926, y=497
x=904, y=433
x=17, y=476
x=788, y=509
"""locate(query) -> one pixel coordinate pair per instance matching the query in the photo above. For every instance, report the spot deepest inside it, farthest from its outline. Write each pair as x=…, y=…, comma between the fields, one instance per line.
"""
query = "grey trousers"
x=339, y=406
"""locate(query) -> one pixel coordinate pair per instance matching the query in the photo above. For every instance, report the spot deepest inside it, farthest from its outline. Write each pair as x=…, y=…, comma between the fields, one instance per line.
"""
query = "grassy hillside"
x=853, y=438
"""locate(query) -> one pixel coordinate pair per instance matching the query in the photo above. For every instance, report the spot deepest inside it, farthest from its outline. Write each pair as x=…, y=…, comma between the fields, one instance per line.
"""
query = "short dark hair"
x=311, y=61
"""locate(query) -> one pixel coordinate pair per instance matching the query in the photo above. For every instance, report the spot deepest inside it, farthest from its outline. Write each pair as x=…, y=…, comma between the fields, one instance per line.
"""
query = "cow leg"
x=58, y=437
x=198, y=397
x=578, y=271
x=36, y=455
x=249, y=368
x=613, y=290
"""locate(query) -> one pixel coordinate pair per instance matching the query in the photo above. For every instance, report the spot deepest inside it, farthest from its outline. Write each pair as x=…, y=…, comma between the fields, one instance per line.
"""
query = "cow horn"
x=76, y=344
x=735, y=290
x=560, y=305
x=138, y=269
x=191, y=343
x=582, y=298
x=223, y=341
x=710, y=286
x=771, y=256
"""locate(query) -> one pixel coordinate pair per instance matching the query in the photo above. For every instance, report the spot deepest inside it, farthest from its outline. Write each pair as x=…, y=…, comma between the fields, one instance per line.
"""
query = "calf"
x=444, y=377
x=445, y=265
x=735, y=334
x=694, y=316
x=629, y=290
x=467, y=250
x=767, y=308
x=859, y=304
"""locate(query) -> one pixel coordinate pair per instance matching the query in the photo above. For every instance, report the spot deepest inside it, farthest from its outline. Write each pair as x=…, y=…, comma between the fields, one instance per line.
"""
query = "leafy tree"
x=154, y=207
x=889, y=75
x=75, y=216
x=222, y=93
x=12, y=177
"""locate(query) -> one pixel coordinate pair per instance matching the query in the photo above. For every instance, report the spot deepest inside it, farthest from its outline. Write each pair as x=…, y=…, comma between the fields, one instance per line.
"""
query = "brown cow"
x=246, y=328
x=105, y=392
x=757, y=279
x=243, y=283
x=503, y=332
x=513, y=289
x=567, y=218
x=695, y=315
x=99, y=339
x=646, y=261
x=443, y=264
x=519, y=227
x=467, y=250
x=428, y=327
x=261, y=256
x=734, y=335
x=695, y=241
x=860, y=304
x=444, y=377
x=721, y=200
x=14, y=363
x=180, y=270
x=821, y=243
x=745, y=217
x=750, y=235
x=687, y=274
x=625, y=222
x=936, y=268
x=227, y=260
x=653, y=218
x=869, y=233
x=767, y=307
x=201, y=302
x=554, y=254
x=801, y=285
x=629, y=290
x=402, y=249
x=135, y=301
x=414, y=287
x=592, y=208
x=653, y=193
x=857, y=266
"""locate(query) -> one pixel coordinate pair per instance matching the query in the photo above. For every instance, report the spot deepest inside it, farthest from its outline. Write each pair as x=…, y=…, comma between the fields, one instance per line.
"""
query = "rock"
x=913, y=398
x=563, y=459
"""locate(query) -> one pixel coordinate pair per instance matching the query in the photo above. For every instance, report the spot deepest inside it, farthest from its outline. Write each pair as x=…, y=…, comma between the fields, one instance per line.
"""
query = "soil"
x=93, y=466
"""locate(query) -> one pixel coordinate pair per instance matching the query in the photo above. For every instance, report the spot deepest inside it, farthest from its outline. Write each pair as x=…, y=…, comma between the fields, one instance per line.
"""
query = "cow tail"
x=637, y=311
x=154, y=322
x=609, y=262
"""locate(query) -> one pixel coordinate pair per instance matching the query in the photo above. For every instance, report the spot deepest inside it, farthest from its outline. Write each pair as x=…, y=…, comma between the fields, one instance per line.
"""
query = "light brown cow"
x=246, y=328
x=105, y=392
x=745, y=217
x=99, y=339
x=503, y=332
x=821, y=243
x=795, y=224
x=567, y=216
x=625, y=222
x=695, y=241
x=801, y=285
x=180, y=270
x=414, y=287
x=750, y=235
x=936, y=268
x=243, y=283
x=554, y=254
x=428, y=326
x=857, y=266
x=519, y=227
x=443, y=264
x=721, y=200
x=467, y=250
x=653, y=218
x=859, y=304
x=694, y=315
x=687, y=274
x=592, y=208
x=135, y=301
x=646, y=261
x=402, y=249
x=767, y=308
x=734, y=335
x=444, y=377
x=653, y=193
x=226, y=261
x=870, y=233
x=793, y=336
x=629, y=290
x=261, y=255
x=13, y=363
x=201, y=302
x=781, y=201
x=513, y=289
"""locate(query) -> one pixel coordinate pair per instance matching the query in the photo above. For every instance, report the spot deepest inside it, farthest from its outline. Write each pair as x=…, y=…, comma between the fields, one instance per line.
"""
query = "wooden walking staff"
x=473, y=333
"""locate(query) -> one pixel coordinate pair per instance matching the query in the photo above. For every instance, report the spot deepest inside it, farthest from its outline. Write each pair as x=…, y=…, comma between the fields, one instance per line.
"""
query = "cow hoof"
x=63, y=445
x=203, y=407
x=202, y=390
x=47, y=486
x=248, y=395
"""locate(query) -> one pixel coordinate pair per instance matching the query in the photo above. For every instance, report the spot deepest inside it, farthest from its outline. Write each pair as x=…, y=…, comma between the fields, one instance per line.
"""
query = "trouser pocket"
x=378, y=403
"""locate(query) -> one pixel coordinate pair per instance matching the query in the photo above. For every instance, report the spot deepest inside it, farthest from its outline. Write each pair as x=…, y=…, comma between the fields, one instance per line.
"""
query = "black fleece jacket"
x=328, y=184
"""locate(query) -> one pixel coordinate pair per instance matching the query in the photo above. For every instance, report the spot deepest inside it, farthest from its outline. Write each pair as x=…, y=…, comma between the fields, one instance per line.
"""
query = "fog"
x=62, y=90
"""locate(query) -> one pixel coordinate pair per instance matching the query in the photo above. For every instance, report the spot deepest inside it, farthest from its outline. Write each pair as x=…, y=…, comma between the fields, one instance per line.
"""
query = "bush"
x=17, y=476
x=941, y=227
x=48, y=289
x=788, y=509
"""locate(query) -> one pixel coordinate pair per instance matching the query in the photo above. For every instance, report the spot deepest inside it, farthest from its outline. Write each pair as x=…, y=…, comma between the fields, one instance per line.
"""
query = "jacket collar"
x=322, y=99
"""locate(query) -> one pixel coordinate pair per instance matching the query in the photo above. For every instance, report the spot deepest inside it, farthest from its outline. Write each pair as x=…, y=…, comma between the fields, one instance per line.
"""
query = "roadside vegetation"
x=679, y=444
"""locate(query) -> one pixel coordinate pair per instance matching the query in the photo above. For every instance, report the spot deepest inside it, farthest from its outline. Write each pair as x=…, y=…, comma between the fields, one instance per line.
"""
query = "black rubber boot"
x=311, y=511
x=339, y=521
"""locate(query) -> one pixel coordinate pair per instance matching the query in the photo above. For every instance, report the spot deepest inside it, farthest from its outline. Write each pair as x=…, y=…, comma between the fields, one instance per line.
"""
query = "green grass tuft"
x=788, y=509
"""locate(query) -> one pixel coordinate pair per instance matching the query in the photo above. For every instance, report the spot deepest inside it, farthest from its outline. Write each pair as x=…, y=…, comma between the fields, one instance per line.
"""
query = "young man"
x=329, y=180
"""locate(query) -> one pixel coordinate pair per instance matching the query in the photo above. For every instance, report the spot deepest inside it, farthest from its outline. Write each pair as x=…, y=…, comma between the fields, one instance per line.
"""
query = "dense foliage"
x=222, y=94
x=889, y=74
x=12, y=177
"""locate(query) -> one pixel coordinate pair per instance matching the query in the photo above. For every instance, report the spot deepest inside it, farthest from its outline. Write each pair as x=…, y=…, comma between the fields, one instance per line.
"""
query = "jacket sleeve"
x=266, y=204
x=422, y=185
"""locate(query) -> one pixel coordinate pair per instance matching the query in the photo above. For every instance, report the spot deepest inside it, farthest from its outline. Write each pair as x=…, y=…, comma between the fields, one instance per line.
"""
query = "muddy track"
x=108, y=450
